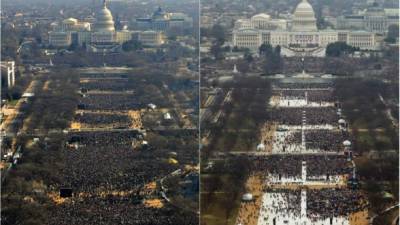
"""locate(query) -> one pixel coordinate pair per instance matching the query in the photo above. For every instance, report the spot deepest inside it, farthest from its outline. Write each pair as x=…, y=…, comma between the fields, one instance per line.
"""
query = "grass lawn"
x=365, y=138
x=219, y=206
x=215, y=213
x=387, y=218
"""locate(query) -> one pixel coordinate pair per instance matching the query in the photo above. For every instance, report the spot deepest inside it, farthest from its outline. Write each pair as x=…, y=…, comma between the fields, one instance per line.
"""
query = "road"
x=388, y=112
x=31, y=88
x=383, y=212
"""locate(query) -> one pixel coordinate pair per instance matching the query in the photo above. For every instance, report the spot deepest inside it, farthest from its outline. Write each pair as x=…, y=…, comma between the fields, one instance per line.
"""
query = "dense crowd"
x=118, y=210
x=291, y=198
x=290, y=165
x=104, y=139
x=108, y=170
x=326, y=140
x=110, y=161
x=293, y=138
x=101, y=164
x=314, y=116
x=109, y=85
x=312, y=95
x=324, y=168
x=321, y=96
x=334, y=202
x=276, y=202
x=320, y=203
x=111, y=102
x=327, y=165
x=99, y=76
x=303, y=85
x=99, y=119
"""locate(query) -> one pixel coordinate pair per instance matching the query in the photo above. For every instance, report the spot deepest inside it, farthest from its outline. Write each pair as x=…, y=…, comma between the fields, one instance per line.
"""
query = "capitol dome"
x=304, y=17
x=159, y=14
x=104, y=20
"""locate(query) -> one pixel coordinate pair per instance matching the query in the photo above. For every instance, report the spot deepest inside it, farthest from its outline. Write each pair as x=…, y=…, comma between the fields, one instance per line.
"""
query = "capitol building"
x=300, y=35
x=99, y=36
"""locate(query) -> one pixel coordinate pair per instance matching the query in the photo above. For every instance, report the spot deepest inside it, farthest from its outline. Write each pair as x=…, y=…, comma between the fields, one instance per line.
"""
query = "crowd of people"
x=107, y=169
x=320, y=204
x=314, y=115
x=103, y=138
x=316, y=140
x=110, y=161
x=293, y=138
x=111, y=210
x=109, y=85
x=290, y=165
x=280, y=205
x=99, y=119
x=326, y=140
x=312, y=95
x=99, y=76
x=318, y=193
x=101, y=101
x=321, y=96
x=328, y=203
x=327, y=165
x=311, y=86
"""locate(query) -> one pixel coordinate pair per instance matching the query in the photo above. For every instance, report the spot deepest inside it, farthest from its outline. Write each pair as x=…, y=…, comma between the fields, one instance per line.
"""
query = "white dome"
x=247, y=197
x=260, y=147
x=304, y=17
x=342, y=121
x=104, y=20
x=346, y=143
x=304, y=7
x=70, y=21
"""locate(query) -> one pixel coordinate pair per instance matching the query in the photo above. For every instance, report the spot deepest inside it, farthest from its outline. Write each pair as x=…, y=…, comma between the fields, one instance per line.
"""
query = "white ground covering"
x=280, y=147
x=276, y=206
x=280, y=208
x=315, y=181
x=303, y=178
x=285, y=102
x=308, y=127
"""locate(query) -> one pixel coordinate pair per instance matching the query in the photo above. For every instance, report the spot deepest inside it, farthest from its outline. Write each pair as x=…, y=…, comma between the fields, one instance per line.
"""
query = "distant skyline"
x=23, y=2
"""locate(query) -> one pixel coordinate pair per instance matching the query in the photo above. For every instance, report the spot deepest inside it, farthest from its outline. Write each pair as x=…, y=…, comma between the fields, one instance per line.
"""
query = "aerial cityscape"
x=199, y=112
x=299, y=112
x=100, y=120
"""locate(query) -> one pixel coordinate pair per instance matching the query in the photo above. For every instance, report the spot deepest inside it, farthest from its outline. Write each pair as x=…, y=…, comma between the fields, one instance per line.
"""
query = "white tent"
x=247, y=197
x=346, y=143
x=167, y=116
x=261, y=147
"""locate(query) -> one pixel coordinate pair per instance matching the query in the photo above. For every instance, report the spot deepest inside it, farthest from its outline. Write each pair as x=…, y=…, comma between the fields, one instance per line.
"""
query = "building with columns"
x=163, y=21
x=99, y=36
x=9, y=68
x=151, y=38
x=374, y=19
x=299, y=34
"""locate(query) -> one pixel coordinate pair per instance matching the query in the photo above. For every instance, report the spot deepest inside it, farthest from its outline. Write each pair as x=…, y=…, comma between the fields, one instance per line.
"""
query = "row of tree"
x=273, y=62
